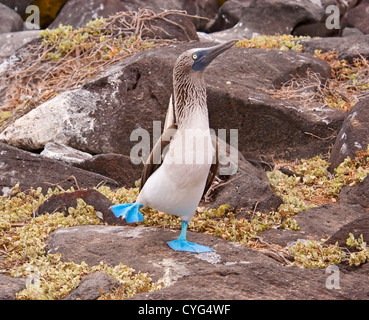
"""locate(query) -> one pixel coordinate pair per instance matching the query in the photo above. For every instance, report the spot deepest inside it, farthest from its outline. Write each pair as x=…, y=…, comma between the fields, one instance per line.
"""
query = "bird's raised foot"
x=130, y=211
x=184, y=245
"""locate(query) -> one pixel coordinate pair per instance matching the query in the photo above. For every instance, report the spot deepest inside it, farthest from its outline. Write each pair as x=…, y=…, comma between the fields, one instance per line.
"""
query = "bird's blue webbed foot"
x=130, y=211
x=181, y=244
x=184, y=245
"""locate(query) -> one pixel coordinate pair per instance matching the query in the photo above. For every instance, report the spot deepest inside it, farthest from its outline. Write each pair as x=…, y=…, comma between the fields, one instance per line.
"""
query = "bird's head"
x=198, y=59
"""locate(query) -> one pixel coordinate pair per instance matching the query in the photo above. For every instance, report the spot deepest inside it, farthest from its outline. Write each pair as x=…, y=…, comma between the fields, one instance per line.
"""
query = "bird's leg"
x=181, y=244
x=130, y=211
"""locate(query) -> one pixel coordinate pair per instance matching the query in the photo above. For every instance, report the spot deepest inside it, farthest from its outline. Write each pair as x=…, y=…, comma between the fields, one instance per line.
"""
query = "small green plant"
x=313, y=184
x=350, y=172
x=312, y=254
x=50, y=278
x=349, y=84
x=65, y=41
x=290, y=224
x=68, y=57
x=362, y=255
x=283, y=42
x=23, y=242
x=296, y=195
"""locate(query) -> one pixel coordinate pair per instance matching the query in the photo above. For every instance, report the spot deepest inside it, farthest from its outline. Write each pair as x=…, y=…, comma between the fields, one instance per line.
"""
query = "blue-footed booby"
x=180, y=168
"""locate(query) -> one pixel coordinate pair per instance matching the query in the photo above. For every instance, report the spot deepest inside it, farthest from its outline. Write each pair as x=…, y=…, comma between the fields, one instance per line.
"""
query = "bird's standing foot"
x=184, y=245
x=130, y=211
x=181, y=244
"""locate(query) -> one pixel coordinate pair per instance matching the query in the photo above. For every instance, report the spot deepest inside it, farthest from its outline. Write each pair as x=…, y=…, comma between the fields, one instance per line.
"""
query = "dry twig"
x=66, y=59
x=349, y=84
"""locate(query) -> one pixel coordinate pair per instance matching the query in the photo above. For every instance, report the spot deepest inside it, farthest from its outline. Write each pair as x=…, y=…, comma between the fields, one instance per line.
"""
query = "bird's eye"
x=194, y=56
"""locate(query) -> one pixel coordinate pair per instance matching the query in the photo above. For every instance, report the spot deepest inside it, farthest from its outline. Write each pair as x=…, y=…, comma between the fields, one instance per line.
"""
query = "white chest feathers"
x=176, y=187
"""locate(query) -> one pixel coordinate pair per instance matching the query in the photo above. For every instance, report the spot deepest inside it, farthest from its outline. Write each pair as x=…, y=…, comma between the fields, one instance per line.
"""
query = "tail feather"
x=130, y=211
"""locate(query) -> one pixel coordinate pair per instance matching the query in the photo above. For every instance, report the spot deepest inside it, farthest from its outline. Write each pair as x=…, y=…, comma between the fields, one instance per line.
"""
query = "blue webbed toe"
x=184, y=245
x=130, y=211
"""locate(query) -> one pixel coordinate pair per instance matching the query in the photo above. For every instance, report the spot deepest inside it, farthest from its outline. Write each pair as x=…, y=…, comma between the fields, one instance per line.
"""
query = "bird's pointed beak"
x=207, y=55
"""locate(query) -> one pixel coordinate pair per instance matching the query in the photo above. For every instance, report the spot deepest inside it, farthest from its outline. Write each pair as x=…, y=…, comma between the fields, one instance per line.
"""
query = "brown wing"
x=213, y=170
x=156, y=156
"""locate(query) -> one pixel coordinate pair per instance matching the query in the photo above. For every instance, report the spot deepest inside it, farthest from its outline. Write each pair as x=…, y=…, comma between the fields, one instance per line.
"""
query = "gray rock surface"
x=78, y=12
x=115, y=166
x=32, y=170
x=316, y=224
x=247, y=189
x=10, y=286
x=358, y=227
x=358, y=194
x=101, y=116
x=353, y=136
x=230, y=272
x=92, y=286
x=58, y=151
x=92, y=9
x=11, y=41
x=72, y=111
x=357, y=17
x=347, y=48
x=18, y=6
x=10, y=20
x=266, y=17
